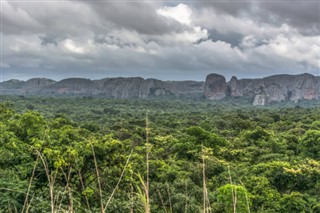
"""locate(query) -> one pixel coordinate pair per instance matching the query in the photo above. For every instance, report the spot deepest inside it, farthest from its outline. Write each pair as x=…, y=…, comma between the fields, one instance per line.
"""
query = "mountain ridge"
x=274, y=88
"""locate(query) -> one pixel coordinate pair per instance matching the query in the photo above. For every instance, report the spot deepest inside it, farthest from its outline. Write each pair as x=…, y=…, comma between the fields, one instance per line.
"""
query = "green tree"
x=310, y=144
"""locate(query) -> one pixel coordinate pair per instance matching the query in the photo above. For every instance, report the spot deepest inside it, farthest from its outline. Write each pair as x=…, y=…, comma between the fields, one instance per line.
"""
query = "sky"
x=168, y=40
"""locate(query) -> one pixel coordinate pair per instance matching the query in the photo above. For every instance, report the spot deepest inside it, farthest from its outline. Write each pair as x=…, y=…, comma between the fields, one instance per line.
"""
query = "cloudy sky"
x=175, y=40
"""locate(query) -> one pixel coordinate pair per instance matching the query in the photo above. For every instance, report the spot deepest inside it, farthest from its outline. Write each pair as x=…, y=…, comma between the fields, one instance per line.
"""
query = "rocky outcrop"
x=31, y=86
x=215, y=87
x=265, y=90
x=72, y=86
x=143, y=88
x=36, y=84
x=185, y=88
x=260, y=100
x=128, y=87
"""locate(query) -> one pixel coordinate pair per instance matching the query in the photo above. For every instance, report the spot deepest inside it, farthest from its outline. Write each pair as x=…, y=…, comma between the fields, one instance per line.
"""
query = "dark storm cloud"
x=232, y=38
x=54, y=18
x=165, y=40
x=15, y=20
x=45, y=40
x=230, y=7
x=301, y=14
x=138, y=16
x=305, y=15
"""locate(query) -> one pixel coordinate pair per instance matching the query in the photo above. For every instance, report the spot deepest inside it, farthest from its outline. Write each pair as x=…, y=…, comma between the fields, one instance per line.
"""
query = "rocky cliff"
x=17, y=87
x=134, y=87
x=265, y=90
x=215, y=87
x=262, y=91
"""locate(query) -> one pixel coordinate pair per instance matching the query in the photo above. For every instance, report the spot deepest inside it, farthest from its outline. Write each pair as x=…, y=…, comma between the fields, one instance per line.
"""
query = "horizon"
x=95, y=79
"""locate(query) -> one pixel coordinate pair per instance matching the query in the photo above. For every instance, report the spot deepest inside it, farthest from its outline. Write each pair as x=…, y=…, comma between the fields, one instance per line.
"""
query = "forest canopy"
x=102, y=155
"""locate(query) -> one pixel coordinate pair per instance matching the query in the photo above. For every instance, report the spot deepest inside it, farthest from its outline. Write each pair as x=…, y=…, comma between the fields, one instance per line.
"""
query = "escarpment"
x=262, y=91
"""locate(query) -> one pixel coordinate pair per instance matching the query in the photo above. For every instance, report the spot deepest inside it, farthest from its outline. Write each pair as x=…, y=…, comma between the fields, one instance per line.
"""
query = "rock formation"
x=260, y=100
x=134, y=87
x=35, y=84
x=215, y=87
x=31, y=86
x=266, y=90
x=262, y=91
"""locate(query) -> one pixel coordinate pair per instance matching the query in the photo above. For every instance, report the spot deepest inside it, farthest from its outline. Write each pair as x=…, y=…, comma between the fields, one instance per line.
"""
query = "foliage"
x=267, y=158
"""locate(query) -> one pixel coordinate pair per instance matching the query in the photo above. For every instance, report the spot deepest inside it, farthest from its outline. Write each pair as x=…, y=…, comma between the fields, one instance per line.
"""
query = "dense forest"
x=84, y=154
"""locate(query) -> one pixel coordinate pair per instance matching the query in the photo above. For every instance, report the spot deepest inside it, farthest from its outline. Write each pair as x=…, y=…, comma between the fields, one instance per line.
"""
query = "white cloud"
x=180, y=13
x=182, y=38
x=295, y=48
x=69, y=45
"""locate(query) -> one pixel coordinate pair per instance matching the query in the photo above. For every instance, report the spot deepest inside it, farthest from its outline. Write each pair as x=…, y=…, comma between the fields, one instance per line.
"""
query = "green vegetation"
x=101, y=155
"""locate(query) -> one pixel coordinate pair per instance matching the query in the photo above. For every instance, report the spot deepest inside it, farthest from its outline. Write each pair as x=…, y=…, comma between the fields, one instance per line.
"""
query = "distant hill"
x=262, y=91
x=134, y=87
